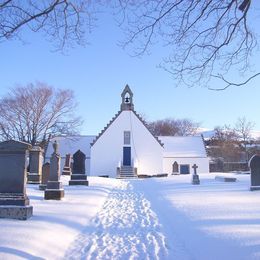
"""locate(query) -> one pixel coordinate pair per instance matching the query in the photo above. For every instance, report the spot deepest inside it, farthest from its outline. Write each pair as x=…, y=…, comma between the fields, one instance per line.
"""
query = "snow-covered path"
x=125, y=228
x=155, y=218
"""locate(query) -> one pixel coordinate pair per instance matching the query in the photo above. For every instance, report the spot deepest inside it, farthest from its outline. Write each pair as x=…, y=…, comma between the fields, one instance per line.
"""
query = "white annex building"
x=126, y=147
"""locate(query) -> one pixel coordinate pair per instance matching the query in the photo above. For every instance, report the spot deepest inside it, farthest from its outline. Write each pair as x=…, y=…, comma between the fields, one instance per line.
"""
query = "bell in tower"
x=127, y=99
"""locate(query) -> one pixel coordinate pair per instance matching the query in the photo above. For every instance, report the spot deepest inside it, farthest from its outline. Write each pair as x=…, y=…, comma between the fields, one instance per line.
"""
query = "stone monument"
x=45, y=176
x=54, y=189
x=35, y=169
x=195, y=176
x=254, y=165
x=14, y=202
x=66, y=169
x=78, y=176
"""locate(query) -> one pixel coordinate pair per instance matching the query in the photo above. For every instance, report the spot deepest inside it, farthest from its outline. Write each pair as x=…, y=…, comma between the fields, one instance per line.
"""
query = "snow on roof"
x=71, y=144
x=183, y=146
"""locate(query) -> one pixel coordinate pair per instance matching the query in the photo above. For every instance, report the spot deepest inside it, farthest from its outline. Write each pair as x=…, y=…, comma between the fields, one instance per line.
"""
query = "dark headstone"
x=35, y=169
x=78, y=176
x=225, y=179
x=254, y=165
x=66, y=169
x=175, y=168
x=14, y=202
x=54, y=189
x=45, y=176
x=144, y=176
x=79, y=162
x=160, y=175
x=195, y=176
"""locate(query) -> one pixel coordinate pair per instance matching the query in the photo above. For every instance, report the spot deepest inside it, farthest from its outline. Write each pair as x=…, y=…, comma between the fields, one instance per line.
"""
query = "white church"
x=127, y=148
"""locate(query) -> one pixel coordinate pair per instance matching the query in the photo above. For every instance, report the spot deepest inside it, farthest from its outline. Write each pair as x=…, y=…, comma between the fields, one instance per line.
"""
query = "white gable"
x=107, y=150
x=183, y=146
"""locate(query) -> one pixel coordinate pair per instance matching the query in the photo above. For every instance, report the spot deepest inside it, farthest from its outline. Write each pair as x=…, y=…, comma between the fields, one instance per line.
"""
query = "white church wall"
x=107, y=152
x=202, y=163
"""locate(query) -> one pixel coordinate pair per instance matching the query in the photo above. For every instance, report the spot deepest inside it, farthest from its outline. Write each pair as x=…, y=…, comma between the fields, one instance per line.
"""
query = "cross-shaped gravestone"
x=195, y=167
x=195, y=176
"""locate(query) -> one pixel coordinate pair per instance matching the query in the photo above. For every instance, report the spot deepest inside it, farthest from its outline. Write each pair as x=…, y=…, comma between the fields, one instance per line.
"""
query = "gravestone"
x=54, y=189
x=78, y=176
x=254, y=165
x=225, y=178
x=175, y=168
x=45, y=176
x=35, y=169
x=66, y=169
x=195, y=176
x=14, y=202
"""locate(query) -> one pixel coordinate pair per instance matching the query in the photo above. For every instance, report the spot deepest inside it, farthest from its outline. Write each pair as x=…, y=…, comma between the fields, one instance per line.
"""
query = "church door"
x=127, y=156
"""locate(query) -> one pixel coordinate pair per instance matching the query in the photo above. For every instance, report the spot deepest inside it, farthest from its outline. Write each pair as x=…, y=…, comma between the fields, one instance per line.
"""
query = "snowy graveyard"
x=155, y=218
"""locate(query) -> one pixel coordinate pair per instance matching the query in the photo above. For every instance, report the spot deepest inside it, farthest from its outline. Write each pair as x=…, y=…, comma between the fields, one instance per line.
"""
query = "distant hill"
x=208, y=133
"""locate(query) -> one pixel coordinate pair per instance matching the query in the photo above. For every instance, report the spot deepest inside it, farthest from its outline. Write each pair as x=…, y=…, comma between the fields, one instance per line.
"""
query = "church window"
x=126, y=137
x=184, y=169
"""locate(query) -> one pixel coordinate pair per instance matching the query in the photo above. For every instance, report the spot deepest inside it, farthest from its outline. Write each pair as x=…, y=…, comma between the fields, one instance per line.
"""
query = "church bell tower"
x=127, y=99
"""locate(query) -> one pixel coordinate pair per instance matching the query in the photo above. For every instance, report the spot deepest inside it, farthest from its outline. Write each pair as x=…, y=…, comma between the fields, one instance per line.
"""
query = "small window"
x=126, y=137
x=184, y=169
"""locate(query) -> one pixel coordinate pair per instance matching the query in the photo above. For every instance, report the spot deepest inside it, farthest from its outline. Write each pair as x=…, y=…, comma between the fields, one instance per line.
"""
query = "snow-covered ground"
x=157, y=218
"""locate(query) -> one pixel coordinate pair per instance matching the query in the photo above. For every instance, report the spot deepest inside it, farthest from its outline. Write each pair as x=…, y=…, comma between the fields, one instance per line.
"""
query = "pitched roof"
x=71, y=144
x=126, y=89
x=145, y=124
x=115, y=117
x=125, y=107
x=183, y=146
x=106, y=127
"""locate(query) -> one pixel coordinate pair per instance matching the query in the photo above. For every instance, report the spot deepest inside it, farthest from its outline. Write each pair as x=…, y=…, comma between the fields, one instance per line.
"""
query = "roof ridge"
x=106, y=127
x=146, y=125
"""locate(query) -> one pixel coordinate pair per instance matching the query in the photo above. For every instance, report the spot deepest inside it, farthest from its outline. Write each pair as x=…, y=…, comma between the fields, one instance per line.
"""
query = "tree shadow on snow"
x=16, y=252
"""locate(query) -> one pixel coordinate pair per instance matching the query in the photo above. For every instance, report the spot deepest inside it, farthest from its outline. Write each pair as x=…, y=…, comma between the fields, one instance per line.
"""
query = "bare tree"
x=62, y=21
x=206, y=39
x=30, y=113
x=244, y=128
x=165, y=127
x=225, y=144
x=173, y=127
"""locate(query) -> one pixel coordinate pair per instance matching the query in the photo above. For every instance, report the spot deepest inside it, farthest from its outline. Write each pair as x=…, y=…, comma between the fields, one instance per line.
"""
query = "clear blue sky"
x=99, y=72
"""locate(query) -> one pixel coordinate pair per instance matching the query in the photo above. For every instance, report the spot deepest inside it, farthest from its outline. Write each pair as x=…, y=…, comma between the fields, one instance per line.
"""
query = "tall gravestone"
x=54, y=189
x=195, y=176
x=14, y=202
x=35, y=169
x=78, y=176
x=66, y=169
x=254, y=165
x=175, y=168
x=45, y=176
